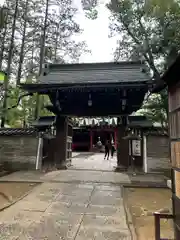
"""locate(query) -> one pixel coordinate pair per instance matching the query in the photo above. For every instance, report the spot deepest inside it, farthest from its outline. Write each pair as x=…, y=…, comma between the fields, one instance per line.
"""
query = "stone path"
x=74, y=204
x=69, y=176
x=92, y=161
x=67, y=211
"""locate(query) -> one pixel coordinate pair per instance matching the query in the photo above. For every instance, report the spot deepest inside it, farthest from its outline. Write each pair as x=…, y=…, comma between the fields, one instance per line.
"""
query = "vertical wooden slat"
x=157, y=226
x=173, y=154
x=174, y=127
x=177, y=183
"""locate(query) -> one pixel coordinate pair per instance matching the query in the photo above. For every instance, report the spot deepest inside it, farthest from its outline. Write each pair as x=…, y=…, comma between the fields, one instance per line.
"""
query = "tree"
x=90, y=8
x=148, y=31
x=33, y=33
x=156, y=108
x=8, y=71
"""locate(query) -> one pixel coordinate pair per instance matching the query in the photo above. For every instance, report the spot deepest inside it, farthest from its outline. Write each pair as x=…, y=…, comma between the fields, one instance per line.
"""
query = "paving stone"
x=106, y=201
x=104, y=222
x=102, y=210
x=53, y=227
x=80, y=197
x=96, y=234
x=15, y=214
x=108, y=188
x=67, y=208
x=103, y=194
x=10, y=230
x=106, y=198
x=15, y=224
x=84, y=192
x=33, y=205
x=85, y=186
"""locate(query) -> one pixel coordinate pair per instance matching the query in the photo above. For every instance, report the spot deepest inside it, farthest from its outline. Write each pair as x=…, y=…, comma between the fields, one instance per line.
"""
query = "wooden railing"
x=157, y=217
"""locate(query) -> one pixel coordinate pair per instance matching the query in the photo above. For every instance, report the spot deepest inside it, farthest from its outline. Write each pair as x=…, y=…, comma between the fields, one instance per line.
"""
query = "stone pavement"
x=67, y=211
x=89, y=167
x=69, y=176
x=93, y=161
x=73, y=204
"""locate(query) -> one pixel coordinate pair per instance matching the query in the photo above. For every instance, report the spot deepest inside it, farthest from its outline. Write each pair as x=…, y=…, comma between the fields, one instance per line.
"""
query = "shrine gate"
x=95, y=90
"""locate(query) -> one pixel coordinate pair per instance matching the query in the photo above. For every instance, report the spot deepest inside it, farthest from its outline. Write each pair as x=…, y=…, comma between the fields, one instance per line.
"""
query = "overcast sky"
x=95, y=34
x=1, y=2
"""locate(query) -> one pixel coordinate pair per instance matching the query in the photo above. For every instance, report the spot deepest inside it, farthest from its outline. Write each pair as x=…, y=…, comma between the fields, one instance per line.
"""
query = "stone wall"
x=18, y=151
x=158, y=153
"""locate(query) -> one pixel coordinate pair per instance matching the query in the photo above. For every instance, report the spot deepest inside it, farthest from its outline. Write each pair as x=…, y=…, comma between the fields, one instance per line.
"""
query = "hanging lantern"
x=90, y=101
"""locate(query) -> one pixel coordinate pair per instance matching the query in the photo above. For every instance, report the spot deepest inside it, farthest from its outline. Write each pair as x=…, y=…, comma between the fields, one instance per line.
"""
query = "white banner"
x=136, y=147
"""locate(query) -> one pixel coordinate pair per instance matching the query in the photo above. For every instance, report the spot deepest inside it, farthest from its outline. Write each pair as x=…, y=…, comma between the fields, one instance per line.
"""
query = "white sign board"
x=136, y=147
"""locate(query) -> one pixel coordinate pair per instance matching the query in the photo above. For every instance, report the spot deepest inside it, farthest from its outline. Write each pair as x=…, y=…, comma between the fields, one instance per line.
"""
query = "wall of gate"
x=158, y=153
x=18, y=149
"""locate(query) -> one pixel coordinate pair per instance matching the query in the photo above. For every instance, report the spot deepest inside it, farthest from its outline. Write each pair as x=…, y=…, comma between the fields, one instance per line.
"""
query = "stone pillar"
x=145, y=165
x=60, y=143
x=39, y=155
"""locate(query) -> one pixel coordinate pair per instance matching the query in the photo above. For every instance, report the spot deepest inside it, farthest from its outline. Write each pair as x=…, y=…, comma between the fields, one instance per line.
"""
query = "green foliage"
x=31, y=36
x=156, y=108
x=90, y=8
x=149, y=31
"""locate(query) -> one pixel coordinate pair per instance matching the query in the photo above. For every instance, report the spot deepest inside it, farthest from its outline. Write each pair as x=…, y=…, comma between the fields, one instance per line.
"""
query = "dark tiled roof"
x=44, y=121
x=140, y=124
x=121, y=72
x=17, y=131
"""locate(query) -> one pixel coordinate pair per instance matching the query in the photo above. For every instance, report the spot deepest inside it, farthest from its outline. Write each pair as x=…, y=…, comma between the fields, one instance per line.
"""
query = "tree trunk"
x=22, y=45
x=3, y=43
x=42, y=50
x=10, y=56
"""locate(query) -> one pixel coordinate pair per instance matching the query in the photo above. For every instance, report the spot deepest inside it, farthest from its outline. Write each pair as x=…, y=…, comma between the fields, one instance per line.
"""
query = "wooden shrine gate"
x=95, y=90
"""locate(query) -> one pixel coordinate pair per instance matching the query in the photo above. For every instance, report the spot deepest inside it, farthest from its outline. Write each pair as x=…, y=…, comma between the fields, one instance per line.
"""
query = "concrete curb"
x=18, y=199
x=129, y=217
x=145, y=185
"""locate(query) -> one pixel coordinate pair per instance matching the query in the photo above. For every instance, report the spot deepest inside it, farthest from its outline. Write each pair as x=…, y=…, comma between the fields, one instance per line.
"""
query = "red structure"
x=88, y=131
x=85, y=138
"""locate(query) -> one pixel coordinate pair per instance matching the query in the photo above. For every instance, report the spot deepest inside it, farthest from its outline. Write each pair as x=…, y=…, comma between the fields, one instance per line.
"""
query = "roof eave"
x=41, y=87
x=159, y=86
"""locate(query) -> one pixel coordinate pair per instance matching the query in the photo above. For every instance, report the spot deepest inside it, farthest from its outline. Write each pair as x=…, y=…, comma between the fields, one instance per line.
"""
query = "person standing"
x=107, y=148
x=99, y=144
x=112, y=150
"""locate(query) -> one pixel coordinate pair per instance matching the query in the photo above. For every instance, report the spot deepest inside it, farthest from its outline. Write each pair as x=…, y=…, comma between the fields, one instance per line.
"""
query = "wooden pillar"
x=91, y=140
x=115, y=137
x=60, y=144
x=122, y=147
